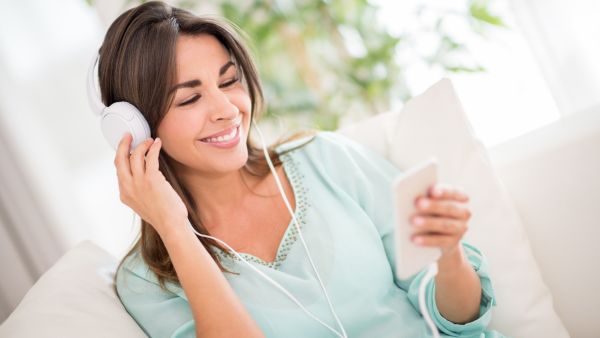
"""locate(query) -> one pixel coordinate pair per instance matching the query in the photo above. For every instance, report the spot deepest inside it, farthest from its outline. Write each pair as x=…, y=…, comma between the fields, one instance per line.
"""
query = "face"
x=206, y=127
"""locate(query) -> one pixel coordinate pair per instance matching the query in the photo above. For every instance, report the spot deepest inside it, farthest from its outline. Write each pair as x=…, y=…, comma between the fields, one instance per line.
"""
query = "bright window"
x=510, y=98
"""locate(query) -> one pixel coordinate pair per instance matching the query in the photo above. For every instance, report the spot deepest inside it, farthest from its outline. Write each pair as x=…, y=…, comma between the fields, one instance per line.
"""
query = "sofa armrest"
x=552, y=175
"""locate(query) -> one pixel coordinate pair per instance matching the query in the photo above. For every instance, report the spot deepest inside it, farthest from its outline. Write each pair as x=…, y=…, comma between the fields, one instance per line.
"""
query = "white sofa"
x=551, y=175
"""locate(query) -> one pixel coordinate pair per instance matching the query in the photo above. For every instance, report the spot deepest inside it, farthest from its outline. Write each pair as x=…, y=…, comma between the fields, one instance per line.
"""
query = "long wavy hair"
x=137, y=65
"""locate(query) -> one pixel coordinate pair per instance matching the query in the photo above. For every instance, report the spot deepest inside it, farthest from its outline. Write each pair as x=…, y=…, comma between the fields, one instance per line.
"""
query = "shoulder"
x=143, y=298
x=339, y=151
x=328, y=150
x=340, y=159
x=321, y=144
x=131, y=273
x=134, y=276
x=133, y=264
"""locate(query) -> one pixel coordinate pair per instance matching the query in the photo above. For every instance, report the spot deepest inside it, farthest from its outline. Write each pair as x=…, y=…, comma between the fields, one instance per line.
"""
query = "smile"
x=228, y=140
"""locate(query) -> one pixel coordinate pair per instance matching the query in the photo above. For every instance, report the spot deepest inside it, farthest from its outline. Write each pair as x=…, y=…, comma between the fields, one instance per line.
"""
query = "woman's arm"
x=216, y=309
x=457, y=288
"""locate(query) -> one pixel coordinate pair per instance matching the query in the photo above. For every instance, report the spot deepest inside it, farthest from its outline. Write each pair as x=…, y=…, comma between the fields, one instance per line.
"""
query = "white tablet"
x=410, y=257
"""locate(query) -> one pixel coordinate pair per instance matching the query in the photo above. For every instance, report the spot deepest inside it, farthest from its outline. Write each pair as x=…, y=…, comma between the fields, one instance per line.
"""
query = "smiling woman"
x=204, y=92
x=201, y=174
x=204, y=83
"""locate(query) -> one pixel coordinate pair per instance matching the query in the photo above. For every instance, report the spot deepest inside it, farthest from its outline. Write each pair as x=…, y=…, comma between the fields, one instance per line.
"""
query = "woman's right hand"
x=145, y=189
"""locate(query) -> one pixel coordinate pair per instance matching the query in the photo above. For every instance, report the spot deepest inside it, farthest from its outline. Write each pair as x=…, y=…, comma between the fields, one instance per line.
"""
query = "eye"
x=230, y=82
x=190, y=101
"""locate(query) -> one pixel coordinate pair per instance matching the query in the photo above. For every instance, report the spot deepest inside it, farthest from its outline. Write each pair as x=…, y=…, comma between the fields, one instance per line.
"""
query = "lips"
x=221, y=133
x=227, y=141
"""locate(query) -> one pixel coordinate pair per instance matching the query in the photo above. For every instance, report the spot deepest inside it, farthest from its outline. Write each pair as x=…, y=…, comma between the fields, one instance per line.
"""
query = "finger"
x=446, y=191
x=137, y=160
x=122, y=159
x=434, y=240
x=442, y=208
x=440, y=225
x=152, y=156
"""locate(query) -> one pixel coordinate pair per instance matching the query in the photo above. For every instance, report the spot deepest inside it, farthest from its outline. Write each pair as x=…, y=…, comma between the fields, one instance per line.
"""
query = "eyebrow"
x=196, y=82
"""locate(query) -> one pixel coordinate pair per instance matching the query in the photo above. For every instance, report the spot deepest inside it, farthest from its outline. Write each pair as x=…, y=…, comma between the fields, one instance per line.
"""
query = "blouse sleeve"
x=158, y=312
x=368, y=177
x=470, y=329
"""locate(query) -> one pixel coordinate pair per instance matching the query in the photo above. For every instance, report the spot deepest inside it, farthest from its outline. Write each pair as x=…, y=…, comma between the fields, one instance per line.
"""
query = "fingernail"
x=418, y=221
x=418, y=240
x=157, y=140
x=424, y=203
x=437, y=191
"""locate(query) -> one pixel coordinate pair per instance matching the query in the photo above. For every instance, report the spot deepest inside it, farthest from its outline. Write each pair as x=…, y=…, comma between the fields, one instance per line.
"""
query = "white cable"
x=133, y=220
x=432, y=270
x=298, y=228
x=281, y=288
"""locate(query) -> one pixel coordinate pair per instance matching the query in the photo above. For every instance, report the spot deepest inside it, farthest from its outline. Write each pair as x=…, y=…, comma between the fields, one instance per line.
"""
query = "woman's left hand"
x=441, y=218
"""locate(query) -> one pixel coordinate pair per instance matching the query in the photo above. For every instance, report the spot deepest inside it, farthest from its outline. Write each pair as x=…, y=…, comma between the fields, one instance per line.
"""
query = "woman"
x=198, y=88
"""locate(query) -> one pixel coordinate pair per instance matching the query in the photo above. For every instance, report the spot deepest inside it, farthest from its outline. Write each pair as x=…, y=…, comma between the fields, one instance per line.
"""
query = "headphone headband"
x=93, y=91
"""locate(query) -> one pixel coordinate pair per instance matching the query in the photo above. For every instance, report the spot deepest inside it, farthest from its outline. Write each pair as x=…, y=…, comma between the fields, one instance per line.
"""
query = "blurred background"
x=517, y=65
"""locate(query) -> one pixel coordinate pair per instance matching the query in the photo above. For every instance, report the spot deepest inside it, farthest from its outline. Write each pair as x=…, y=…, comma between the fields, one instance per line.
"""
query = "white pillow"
x=73, y=299
x=434, y=124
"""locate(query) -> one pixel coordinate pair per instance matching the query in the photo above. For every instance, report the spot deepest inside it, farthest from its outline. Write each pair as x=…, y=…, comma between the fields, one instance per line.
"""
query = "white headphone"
x=122, y=117
x=118, y=118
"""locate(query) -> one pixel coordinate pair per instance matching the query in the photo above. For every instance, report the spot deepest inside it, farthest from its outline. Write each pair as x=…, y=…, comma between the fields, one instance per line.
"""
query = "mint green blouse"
x=344, y=208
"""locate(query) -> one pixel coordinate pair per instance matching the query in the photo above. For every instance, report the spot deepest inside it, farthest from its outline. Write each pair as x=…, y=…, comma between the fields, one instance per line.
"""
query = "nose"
x=221, y=107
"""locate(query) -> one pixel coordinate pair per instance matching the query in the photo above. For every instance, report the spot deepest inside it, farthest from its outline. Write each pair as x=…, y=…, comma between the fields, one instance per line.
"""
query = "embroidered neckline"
x=290, y=235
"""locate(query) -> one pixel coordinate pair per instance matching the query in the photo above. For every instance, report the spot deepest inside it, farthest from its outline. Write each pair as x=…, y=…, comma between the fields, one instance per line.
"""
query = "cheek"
x=177, y=128
x=168, y=127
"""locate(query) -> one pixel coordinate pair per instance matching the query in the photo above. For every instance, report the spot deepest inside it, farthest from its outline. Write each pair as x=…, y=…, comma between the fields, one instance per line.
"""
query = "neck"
x=219, y=198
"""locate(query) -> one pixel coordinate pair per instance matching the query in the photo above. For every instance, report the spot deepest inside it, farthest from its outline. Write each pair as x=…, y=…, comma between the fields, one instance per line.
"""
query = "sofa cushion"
x=434, y=124
x=73, y=299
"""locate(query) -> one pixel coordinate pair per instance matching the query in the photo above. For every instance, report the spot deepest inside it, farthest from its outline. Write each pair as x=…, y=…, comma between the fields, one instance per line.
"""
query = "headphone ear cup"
x=120, y=118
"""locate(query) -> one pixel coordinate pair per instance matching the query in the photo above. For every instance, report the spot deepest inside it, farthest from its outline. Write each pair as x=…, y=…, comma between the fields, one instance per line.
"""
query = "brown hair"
x=137, y=65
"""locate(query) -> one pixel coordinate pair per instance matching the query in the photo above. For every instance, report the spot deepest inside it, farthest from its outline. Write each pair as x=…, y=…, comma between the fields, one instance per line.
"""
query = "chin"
x=230, y=162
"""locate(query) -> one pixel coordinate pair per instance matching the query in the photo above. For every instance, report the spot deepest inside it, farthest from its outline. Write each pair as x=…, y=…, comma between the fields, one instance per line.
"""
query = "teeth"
x=223, y=137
